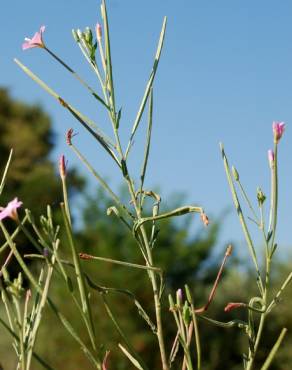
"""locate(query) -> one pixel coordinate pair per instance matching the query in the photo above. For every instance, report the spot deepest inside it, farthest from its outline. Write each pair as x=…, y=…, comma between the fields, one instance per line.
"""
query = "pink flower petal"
x=36, y=41
x=278, y=130
x=10, y=210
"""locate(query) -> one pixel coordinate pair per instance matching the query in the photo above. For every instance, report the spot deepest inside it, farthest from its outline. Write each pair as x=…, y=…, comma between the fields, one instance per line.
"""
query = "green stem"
x=153, y=280
x=37, y=287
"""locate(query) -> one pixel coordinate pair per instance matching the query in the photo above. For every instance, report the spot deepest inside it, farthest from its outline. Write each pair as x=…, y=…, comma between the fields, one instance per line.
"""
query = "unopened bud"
x=69, y=135
x=98, y=30
x=260, y=196
x=88, y=35
x=171, y=303
x=235, y=173
x=62, y=166
x=75, y=35
x=228, y=250
x=79, y=34
x=179, y=297
x=271, y=158
x=204, y=219
x=232, y=305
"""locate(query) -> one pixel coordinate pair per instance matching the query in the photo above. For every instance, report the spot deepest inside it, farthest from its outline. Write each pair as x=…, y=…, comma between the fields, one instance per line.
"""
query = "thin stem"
x=153, y=280
x=243, y=192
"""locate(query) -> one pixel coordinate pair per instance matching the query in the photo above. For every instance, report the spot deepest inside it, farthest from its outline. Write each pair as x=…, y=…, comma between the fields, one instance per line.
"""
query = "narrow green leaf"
x=241, y=217
x=135, y=357
x=78, y=78
x=148, y=140
x=130, y=357
x=108, y=58
x=85, y=121
x=123, y=263
x=274, y=350
x=176, y=212
x=6, y=171
x=86, y=308
x=148, y=86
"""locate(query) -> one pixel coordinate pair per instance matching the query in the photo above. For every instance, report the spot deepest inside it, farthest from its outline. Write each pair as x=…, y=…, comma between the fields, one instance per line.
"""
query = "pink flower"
x=278, y=130
x=36, y=41
x=271, y=157
x=10, y=210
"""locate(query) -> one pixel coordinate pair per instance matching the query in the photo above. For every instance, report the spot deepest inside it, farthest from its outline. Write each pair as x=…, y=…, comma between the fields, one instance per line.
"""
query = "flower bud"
x=88, y=35
x=75, y=35
x=204, y=219
x=271, y=158
x=62, y=166
x=235, y=173
x=260, y=196
x=232, y=305
x=171, y=303
x=98, y=30
x=179, y=297
x=79, y=34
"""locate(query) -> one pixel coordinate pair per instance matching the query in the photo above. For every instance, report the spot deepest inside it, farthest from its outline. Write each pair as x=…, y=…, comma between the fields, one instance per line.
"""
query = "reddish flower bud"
x=232, y=305
x=69, y=136
x=62, y=166
x=204, y=219
x=98, y=31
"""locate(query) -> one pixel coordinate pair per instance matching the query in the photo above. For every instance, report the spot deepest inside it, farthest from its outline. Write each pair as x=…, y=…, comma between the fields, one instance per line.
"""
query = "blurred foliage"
x=185, y=256
x=32, y=176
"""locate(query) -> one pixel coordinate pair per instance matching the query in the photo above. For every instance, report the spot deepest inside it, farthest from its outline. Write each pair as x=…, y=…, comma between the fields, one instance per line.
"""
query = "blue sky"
x=225, y=75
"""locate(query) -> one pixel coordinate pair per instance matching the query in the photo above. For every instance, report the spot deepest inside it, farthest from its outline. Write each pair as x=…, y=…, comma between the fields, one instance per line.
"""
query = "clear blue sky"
x=225, y=75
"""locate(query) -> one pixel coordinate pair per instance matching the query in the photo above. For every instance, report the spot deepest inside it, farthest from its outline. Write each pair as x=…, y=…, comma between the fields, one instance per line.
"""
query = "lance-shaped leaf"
x=78, y=78
x=86, y=308
x=5, y=171
x=176, y=212
x=241, y=217
x=108, y=58
x=148, y=86
x=132, y=354
x=148, y=140
x=105, y=142
x=274, y=350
